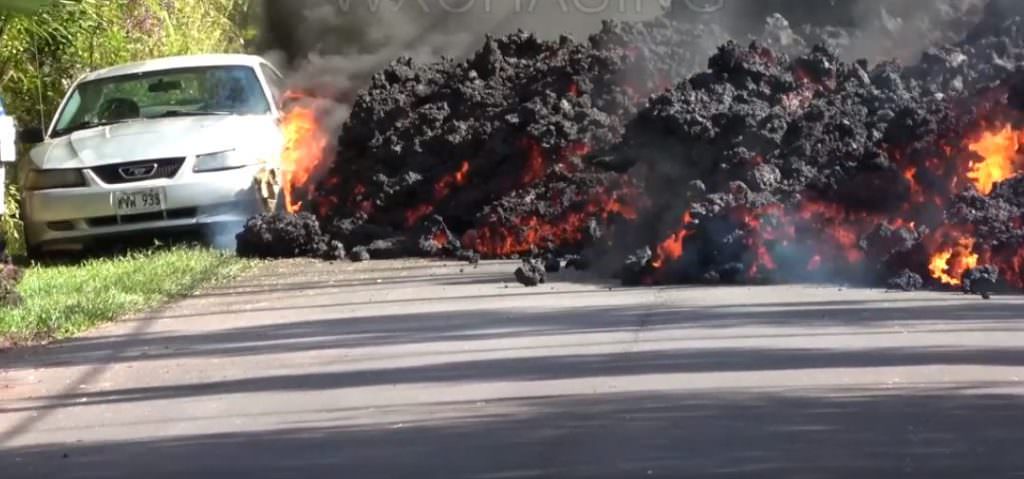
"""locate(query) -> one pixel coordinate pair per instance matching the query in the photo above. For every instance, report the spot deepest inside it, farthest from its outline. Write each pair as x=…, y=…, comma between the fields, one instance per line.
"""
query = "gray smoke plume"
x=333, y=46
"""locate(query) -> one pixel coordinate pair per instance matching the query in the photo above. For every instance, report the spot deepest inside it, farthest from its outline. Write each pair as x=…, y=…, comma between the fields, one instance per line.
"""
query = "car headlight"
x=54, y=179
x=224, y=160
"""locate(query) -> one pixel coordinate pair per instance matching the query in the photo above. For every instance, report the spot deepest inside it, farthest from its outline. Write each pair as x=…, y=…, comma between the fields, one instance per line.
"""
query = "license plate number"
x=142, y=201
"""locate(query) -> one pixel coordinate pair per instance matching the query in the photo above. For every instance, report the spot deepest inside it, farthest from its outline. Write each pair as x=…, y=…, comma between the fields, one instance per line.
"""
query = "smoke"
x=333, y=47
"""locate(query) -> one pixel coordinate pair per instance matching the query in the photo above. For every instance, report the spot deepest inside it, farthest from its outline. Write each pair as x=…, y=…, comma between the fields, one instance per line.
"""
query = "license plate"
x=140, y=201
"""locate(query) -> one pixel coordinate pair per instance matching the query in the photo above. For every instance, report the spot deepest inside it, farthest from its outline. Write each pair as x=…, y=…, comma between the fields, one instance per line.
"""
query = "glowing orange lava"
x=1016, y=274
x=446, y=184
x=530, y=232
x=534, y=169
x=303, y=153
x=950, y=264
x=999, y=150
x=413, y=216
x=442, y=189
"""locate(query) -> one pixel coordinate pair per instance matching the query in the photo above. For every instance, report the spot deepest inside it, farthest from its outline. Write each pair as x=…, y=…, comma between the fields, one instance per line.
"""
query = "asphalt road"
x=424, y=370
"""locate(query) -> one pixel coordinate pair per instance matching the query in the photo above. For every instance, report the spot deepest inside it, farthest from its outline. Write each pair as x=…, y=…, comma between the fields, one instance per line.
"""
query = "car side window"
x=276, y=83
x=67, y=117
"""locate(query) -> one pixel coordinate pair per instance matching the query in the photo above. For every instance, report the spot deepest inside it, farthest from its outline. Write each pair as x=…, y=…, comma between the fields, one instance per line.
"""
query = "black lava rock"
x=982, y=281
x=531, y=274
x=360, y=254
x=907, y=281
x=275, y=236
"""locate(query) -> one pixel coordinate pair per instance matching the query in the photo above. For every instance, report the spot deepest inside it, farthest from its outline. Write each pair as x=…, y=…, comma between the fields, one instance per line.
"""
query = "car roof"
x=177, y=62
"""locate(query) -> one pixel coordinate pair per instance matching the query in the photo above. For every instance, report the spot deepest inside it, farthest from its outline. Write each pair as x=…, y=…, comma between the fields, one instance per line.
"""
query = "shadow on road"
x=929, y=430
x=949, y=434
x=795, y=320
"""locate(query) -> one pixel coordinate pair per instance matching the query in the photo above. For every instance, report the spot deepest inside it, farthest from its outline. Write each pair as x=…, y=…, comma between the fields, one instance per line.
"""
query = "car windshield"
x=220, y=90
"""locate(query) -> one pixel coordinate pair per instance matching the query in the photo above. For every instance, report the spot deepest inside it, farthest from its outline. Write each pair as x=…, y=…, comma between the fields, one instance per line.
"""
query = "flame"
x=999, y=151
x=303, y=154
x=673, y=247
x=949, y=265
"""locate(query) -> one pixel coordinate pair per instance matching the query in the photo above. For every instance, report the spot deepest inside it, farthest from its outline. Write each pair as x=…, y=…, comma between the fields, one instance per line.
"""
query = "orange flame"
x=999, y=150
x=949, y=266
x=673, y=247
x=303, y=153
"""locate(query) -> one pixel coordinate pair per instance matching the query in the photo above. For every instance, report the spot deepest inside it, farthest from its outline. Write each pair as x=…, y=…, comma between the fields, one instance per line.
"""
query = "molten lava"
x=532, y=232
x=442, y=189
x=999, y=152
x=303, y=154
x=949, y=265
x=1016, y=274
x=534, y=169
x=445, y=186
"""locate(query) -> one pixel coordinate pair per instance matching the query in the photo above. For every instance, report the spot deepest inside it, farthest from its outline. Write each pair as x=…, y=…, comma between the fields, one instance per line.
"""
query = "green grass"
x=62, y=301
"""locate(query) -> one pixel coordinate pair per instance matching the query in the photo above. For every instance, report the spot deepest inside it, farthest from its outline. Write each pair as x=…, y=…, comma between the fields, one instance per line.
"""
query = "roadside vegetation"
x=45, y=45
x=62, y=301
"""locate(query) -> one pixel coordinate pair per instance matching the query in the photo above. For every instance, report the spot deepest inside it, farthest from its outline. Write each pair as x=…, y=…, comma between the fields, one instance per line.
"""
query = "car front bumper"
x=69, y=217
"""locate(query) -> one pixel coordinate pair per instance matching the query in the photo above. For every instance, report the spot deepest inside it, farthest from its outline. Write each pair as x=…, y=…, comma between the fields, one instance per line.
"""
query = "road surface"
x=422, y=370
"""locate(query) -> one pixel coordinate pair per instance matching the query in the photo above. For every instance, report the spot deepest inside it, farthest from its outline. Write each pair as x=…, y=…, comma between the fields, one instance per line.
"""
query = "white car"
x=182, y=142
x=7, y=153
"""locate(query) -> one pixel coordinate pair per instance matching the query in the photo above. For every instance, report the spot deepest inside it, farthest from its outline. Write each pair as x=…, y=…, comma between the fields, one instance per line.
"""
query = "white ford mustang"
x=182, y=142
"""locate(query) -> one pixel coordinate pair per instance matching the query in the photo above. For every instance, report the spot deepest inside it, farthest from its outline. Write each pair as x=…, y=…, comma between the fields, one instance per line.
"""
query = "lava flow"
x=790, y=165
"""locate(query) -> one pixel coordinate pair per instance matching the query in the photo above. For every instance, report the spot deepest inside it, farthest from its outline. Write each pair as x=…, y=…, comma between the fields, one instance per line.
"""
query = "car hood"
x=150, y=139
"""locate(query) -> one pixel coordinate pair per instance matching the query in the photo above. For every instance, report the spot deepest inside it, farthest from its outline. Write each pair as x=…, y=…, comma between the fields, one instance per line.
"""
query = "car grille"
x=177, y=214
x=145, y=170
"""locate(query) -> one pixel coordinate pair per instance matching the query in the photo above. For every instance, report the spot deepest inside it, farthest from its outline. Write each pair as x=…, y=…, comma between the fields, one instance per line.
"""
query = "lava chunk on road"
x=531, y=274
x=275, y=236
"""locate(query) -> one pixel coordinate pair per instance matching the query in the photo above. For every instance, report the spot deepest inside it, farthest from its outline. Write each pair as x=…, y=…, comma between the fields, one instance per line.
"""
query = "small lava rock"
x=907, y=281
x=982, y=281
x=531, y=274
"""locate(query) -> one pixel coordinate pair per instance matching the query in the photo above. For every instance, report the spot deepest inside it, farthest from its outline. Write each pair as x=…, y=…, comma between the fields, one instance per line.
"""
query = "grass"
x=63, y=301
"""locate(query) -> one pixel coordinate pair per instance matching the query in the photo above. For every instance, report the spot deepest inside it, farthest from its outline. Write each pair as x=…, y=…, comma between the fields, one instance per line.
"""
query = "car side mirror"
x=32, y=135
